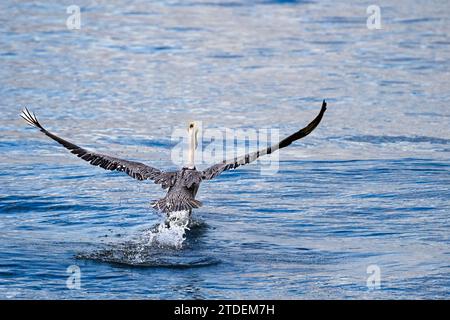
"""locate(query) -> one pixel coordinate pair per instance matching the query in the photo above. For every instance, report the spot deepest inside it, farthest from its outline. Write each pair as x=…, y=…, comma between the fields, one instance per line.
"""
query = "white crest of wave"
x=170, y=232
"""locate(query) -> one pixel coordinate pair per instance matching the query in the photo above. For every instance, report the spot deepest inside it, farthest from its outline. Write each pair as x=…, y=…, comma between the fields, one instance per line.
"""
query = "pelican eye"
x=191, y=125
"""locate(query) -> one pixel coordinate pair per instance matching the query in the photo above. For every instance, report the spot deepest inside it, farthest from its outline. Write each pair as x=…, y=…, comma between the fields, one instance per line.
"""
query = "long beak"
x=196, y=139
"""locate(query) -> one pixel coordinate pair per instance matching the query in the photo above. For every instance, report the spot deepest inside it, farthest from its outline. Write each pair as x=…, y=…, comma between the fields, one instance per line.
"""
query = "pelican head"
x=193, y=143
x=193, y=135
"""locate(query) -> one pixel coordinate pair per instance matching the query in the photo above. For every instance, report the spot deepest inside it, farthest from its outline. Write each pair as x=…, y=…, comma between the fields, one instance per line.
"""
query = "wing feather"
x=134, y=169
x=218, y=168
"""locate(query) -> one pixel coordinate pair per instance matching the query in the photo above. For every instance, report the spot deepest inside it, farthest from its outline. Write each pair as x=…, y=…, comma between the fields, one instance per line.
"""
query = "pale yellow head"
x=193, y=143
x=193, y=135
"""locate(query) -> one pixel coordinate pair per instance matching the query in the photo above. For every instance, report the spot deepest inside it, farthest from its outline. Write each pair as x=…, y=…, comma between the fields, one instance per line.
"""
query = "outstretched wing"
x=218, y=168
x=134, y=169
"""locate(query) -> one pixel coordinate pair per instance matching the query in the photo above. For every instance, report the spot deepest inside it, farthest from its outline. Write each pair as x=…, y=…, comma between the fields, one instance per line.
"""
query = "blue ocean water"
x=370, y=188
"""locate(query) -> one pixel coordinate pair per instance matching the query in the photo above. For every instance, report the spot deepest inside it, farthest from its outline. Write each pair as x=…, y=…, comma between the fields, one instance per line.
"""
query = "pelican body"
x=182, y=185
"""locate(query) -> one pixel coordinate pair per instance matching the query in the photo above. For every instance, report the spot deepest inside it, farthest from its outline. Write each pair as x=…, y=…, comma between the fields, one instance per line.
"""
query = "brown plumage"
x=182, y=185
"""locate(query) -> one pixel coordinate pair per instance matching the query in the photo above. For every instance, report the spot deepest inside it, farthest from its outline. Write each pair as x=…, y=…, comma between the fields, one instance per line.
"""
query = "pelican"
x=181, y=185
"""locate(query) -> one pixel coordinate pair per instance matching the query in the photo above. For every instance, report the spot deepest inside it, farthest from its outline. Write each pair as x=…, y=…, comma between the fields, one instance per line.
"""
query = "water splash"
x=171, y=232
x=160, y=246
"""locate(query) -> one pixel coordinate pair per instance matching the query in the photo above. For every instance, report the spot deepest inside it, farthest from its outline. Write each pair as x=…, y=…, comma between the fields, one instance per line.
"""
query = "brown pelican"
x=182, y=185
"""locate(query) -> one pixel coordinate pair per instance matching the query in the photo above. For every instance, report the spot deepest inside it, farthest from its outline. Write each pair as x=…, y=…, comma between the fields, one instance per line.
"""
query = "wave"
x=392, y=139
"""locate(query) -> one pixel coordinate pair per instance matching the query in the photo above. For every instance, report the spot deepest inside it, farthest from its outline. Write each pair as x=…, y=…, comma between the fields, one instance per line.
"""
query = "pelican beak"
x=196, y=138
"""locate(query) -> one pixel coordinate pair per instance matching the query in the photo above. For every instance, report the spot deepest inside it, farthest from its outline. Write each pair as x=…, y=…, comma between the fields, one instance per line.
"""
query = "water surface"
x=370, y=186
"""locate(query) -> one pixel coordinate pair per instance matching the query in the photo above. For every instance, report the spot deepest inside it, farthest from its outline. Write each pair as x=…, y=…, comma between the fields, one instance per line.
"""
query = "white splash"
x=171, y=231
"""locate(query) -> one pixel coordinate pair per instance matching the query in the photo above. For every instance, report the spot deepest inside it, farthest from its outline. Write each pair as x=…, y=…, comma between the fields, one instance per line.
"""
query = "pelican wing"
x=218, y=168
x=134, y=169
